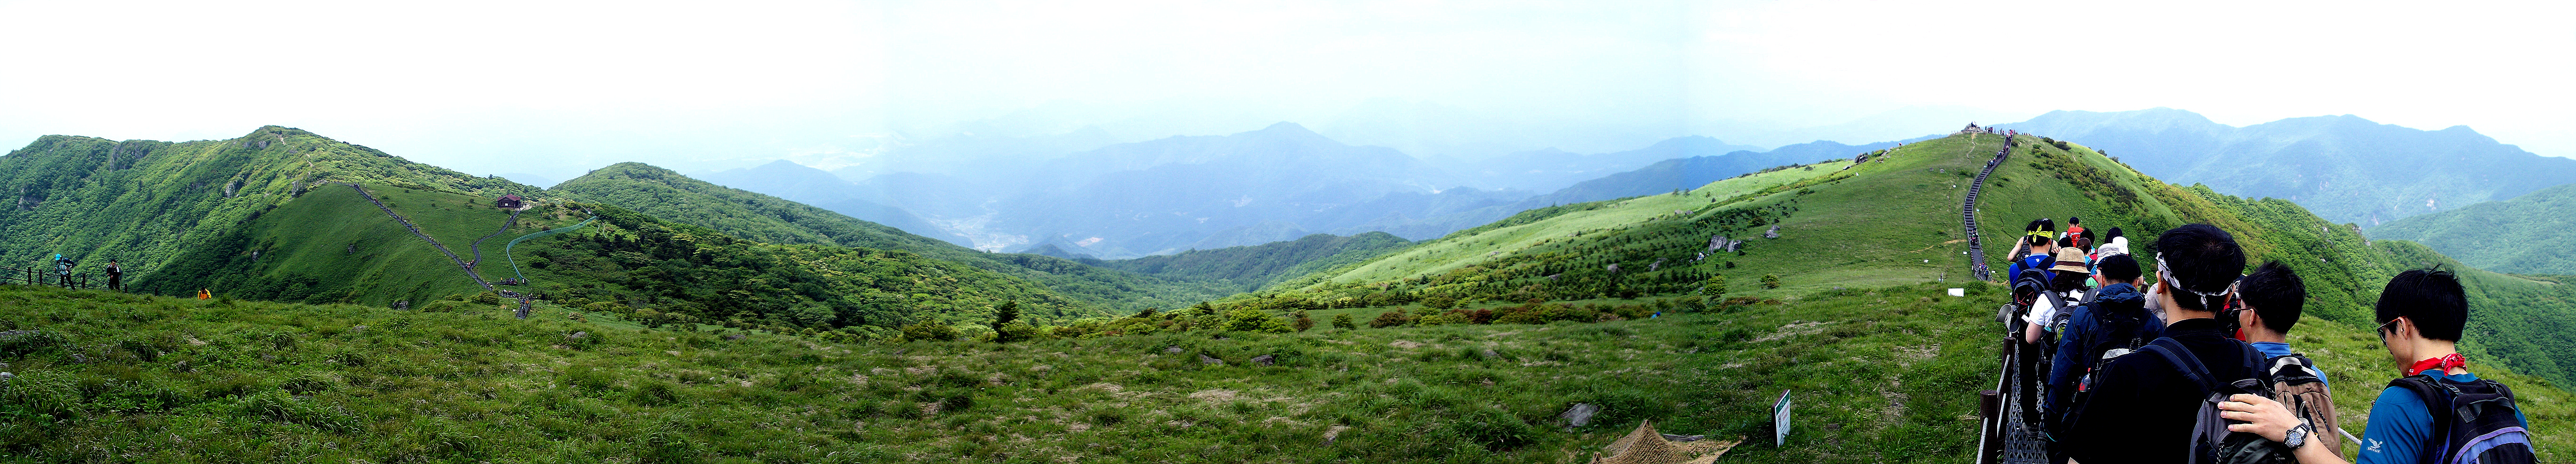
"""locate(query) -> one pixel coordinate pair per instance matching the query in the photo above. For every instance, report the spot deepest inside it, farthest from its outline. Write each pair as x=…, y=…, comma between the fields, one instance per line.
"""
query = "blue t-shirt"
x=2400, y=423
x=2034, y=261
x=2277, y=349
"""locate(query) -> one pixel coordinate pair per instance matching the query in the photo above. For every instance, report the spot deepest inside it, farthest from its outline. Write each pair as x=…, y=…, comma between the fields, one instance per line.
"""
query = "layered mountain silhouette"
x=2345, y=168
x=1276, y=184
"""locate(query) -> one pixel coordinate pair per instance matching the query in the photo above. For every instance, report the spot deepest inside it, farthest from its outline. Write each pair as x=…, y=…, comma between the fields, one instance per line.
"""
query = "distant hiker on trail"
x=2143, y=407
x=2114, y=322
x=63, y=269
x=2422, y=313
x=115, y=276
x=205, y=294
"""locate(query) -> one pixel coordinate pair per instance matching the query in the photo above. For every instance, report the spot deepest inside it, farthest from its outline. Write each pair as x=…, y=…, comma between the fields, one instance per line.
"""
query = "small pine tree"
x=1304, y=322
x=1343, y=321
x=1715, y=286
x=1770, y=281
x=1007, y=312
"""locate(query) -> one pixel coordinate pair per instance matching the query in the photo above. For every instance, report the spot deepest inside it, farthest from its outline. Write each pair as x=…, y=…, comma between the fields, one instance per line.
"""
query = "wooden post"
x=1990, y=440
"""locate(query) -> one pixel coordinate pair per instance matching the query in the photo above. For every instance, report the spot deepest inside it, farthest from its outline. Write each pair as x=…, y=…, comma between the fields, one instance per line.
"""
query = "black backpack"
x=2475, y=422
x=2211, y=442
x=2123, y=329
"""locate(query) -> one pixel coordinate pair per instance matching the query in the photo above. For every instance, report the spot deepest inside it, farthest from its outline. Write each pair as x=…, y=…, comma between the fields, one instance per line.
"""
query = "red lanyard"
x=2444, y=364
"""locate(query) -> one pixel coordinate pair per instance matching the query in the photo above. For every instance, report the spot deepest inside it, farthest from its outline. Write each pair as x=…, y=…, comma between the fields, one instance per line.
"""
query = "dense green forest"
x=1251, y=267
x=2528, y=234
x=671, y=196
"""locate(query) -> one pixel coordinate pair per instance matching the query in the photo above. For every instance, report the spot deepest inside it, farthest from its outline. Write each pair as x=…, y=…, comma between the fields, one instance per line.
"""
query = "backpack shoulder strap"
x=2182, y=359
x=2437, y=401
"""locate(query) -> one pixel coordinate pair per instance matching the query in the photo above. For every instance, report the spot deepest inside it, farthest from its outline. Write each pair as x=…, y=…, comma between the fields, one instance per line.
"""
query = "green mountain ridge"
x=669, y=195
x=144, y=202
x=1255, y=266
x=1894, y=221
x=332, y=246
x=2531, y=234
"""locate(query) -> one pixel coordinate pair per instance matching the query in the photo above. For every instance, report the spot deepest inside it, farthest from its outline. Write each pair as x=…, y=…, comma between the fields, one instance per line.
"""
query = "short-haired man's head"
x=2276, y=293
x=2432, y=298
x=2114, y=233
x=2042, y=225
x=2118, y=268
x=2203, y=261
x=2074, y=221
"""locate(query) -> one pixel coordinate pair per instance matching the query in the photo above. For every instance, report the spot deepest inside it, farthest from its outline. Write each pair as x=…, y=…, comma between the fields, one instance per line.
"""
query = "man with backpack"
x=2039, y=240
x=2437, y=413
x=115, y=276
x=63, y=269
x=2273, y=297
x=2115, y=321
x=2158, y=405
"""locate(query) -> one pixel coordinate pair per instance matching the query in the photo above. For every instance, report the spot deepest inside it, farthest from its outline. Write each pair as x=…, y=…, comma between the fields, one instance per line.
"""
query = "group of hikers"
x=63, y=272
x=2196, y=366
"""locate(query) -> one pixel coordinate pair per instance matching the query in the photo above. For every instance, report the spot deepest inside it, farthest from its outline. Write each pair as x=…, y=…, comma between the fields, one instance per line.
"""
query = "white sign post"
x=1780, y=421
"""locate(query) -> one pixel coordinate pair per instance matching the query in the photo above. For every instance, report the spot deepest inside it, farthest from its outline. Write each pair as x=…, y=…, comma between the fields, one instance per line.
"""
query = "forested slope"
x=1252, y=267
x=2530, y=234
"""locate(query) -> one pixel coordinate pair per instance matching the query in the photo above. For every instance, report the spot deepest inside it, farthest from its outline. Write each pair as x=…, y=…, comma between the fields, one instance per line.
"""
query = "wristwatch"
x=2298, y=436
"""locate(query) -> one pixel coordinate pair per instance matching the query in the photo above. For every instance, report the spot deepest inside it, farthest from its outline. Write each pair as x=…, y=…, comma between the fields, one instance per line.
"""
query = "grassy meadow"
x=1880, y=375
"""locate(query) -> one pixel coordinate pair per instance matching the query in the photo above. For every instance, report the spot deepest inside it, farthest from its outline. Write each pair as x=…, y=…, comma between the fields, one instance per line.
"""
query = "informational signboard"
x=1958, y=292
x=1780, y=421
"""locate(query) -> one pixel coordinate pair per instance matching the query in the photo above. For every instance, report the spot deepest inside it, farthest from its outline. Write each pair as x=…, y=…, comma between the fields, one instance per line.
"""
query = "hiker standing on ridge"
x=63, y=269
x=2143, y=407
x=115, y=276
x=2437, y=413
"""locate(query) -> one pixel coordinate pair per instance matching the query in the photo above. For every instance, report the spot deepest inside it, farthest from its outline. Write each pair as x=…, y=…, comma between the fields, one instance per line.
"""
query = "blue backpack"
x=2473, y=423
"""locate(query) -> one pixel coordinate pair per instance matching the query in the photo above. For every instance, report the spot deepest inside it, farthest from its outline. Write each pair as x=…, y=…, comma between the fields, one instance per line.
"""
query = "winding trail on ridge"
x=1968, y=214
x=461, y=263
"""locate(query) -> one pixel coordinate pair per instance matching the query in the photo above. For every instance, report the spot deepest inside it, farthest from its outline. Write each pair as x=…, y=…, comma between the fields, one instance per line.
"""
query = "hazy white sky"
x=559, y=88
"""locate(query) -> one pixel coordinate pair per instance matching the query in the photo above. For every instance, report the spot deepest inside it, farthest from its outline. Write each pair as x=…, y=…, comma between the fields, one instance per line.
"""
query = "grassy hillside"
x=1878, y=375
x=2529, y=234
x=1251, y=267
x=1894, y=221
x=144, y=202
x=671, y=196
x=332, y=246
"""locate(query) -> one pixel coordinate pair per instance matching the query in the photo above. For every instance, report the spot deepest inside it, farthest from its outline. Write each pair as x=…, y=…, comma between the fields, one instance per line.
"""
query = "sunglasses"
x=2385, y=328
